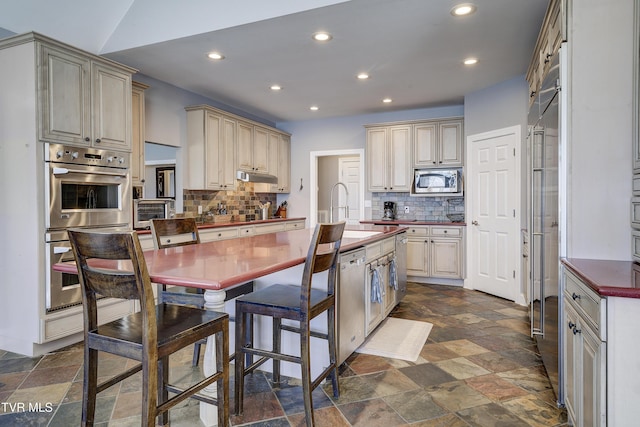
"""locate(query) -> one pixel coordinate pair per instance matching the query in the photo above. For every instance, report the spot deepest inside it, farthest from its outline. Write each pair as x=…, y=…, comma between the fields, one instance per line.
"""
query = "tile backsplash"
x=242, y=203
x=420, y=208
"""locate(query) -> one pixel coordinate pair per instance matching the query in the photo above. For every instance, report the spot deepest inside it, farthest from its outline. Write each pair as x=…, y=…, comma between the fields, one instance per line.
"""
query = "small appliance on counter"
x=389, y=211
x=144, y=210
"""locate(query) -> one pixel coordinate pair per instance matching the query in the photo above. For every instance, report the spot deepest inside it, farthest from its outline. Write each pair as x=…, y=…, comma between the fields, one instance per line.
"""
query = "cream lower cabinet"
x=584, y=353
x=435, y=251
x=378, y=256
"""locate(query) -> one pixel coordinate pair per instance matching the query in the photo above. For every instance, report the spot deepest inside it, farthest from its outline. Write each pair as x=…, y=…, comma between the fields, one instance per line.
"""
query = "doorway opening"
x=326, y=169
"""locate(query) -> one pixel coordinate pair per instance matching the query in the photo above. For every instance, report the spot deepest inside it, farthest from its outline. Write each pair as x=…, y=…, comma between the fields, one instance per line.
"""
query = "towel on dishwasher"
x=376, y=285
x=393, y=274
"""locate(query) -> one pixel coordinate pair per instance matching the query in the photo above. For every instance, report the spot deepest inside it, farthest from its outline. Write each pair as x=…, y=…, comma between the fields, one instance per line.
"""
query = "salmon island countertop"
x=606, y=277
x=222, y=264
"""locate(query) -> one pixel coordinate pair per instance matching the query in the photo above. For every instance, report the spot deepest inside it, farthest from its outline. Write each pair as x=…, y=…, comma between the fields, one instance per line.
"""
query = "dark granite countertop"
x=606, y=277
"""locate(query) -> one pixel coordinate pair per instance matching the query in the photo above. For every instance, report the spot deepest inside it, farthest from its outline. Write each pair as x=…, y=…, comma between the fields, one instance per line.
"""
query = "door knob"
x=475, y=223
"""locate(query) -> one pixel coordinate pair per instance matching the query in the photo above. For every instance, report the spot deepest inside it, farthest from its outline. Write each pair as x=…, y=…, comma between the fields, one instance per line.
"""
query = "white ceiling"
x=413, y=49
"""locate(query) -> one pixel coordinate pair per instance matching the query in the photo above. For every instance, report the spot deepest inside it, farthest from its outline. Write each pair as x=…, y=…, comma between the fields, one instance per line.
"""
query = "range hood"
x=256, y=177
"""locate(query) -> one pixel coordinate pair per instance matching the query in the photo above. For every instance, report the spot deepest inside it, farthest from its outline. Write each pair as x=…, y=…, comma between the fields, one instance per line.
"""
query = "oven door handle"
x=62, y=171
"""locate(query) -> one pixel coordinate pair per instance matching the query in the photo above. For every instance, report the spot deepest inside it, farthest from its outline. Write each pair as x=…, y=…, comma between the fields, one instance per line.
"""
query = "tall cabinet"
x=50, y=92
x=137, y=133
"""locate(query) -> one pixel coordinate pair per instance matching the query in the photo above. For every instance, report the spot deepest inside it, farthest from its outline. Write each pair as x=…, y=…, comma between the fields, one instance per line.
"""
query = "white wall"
x=337, y=133
x=600, y=129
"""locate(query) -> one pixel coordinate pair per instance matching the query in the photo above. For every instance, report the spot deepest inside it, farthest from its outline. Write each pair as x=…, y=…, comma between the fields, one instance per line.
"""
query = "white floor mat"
x=397, y=339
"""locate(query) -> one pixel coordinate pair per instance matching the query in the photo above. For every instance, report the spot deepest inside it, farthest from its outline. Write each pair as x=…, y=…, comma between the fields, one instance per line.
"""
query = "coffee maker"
x=389, y=211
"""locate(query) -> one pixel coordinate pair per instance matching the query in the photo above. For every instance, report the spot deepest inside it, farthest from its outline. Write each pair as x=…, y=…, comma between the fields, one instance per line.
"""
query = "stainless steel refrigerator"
x=543, y=141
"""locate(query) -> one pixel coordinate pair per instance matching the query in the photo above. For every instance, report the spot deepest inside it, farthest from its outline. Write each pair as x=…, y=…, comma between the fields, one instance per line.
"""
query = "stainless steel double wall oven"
x=84, y=187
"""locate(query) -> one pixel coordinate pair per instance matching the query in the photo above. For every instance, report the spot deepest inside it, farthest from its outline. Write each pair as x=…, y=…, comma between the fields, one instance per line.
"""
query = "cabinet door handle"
x=576, y=331
x=87, y=139
x=571, y=325
x=98, y=140
x=475, y=223
x=575, y=296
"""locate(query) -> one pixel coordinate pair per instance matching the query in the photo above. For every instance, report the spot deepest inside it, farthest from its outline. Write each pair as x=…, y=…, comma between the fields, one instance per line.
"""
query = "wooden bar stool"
x=300, y=303
x=149, y=336
x=171, y=233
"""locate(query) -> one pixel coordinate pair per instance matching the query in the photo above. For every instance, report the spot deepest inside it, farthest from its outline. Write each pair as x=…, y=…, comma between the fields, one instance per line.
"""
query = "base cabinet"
x=584, y=353
x=435, y=252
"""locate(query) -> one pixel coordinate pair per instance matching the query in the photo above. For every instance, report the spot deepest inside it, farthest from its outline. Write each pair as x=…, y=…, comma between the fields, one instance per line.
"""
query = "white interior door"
x=493, y=207
x=349, y=169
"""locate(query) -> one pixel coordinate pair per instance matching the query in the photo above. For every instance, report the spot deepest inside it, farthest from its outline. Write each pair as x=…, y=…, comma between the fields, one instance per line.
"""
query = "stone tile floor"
x=479, y=367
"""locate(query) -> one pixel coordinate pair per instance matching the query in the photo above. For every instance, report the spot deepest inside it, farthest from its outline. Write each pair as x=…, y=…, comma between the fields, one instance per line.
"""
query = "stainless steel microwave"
x=144, y=210
x=437, y=182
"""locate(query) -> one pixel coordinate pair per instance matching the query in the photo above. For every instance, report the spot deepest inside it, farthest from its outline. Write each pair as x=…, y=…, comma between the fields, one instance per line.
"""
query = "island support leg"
x=213, y=300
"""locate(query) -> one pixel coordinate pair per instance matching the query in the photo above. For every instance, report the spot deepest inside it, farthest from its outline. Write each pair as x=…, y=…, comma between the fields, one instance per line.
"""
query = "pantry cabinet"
x=389, y=158
x=438, y=143
x=137, y=133
x=84, y=100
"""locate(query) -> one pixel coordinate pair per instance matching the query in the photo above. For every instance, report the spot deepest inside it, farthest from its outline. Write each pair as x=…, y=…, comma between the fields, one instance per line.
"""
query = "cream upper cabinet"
x=253, y=146
x=220, y=143
x=84, y=100
x=137, y=133
x=279, y=153
x=438, y=143
x=388, y=158
x=211, y=138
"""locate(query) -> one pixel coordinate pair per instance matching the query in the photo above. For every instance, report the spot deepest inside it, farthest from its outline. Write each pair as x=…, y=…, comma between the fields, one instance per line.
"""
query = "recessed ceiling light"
x=470, y=61
x=215, y=55
x=463, y=9
x=321, y=36
x=387, y=100
x=363, y=76
x=276, y=87
x=314, y=108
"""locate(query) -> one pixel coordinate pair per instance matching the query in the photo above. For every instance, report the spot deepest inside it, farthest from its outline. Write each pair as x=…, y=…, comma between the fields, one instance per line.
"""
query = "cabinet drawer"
x=446, y=231
x=221, y=234
x=294, y=225
x=635, y=244
x=270, y=228
x=418, y=231
x=373, y=251
x=586, y=302
x=246, y=231
x=635, y=212
x=388, y=245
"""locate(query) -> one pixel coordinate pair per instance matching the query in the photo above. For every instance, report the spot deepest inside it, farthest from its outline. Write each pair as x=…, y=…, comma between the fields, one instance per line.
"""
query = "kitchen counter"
x=219, y=265
x=207, y=225
x=412, y=222
x=607, y=278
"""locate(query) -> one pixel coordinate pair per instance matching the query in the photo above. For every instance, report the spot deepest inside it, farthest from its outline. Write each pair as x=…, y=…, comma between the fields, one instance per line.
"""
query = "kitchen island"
x=220, y=266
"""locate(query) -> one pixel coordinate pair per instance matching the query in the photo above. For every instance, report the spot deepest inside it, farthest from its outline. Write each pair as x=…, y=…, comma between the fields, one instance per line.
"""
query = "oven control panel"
x=86, y=156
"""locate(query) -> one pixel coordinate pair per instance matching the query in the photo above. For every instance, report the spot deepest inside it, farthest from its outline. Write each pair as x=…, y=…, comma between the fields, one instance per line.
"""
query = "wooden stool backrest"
x=169, y=233
x=323, y=255
x=132, y=282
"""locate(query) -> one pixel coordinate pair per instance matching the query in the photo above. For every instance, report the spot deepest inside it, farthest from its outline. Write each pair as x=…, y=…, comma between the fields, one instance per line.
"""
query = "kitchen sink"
x=359, y=234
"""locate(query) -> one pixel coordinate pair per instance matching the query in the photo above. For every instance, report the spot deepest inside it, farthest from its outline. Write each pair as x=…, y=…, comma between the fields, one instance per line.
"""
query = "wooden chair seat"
x=149, y=336
x=299, y=303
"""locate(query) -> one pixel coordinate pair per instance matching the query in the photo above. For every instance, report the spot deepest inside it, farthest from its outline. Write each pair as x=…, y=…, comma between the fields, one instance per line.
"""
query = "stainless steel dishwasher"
x=351, y=303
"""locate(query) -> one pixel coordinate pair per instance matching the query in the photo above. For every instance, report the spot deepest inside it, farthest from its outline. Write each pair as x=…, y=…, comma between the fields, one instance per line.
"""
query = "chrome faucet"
x=346, y=206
